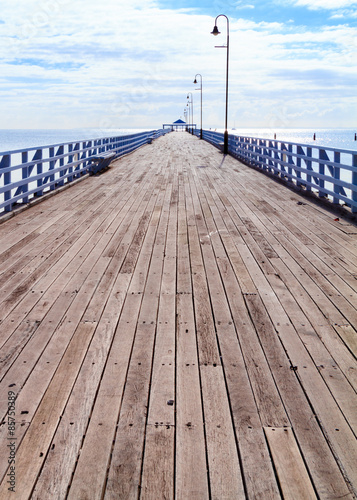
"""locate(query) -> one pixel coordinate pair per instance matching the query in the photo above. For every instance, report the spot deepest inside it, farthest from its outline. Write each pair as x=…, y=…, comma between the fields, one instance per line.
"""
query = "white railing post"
x=6, y=162
x=354, y=182
x=25, y=174
x=309, y=166
x=336, y=176
x=322, y=156
x=39, y=170
x=299, y=151
x=52, y=166
x=291, y=162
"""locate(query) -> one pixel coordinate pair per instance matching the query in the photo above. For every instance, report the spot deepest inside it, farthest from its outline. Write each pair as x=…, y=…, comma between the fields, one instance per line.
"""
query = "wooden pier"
x=179, y=327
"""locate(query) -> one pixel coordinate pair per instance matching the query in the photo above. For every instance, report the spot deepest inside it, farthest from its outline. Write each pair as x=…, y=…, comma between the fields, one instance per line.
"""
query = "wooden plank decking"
x=178, y=327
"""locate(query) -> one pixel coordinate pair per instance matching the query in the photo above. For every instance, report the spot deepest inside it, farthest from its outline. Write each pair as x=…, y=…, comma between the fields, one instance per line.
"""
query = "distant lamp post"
x=195, y=81
x=216, y=32
x=188, y=115
x=190, y=102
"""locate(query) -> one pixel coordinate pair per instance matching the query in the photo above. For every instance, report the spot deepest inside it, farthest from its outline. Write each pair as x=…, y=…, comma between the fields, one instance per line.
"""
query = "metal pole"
x=195, y=81
x=189, y=114
x=216, y=32
x=191, y=109
x=225, y=150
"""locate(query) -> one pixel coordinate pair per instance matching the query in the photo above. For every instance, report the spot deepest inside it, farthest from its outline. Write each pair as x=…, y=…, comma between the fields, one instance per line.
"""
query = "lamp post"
x=190, y=102
x=188, y=114
x=195, y=81
x=216, y=32
x=185, y=116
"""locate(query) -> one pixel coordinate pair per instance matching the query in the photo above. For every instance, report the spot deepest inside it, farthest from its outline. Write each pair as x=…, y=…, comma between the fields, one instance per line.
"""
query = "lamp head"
x=215, y=31
x=195, y=80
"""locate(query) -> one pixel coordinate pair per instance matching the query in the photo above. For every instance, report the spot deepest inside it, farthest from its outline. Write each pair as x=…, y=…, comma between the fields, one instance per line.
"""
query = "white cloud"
x=129, y=65
x=324, y=4
x=241, y=5
x=344, y=14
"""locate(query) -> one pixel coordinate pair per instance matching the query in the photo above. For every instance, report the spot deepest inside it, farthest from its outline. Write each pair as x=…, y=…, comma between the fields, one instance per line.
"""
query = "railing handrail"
x=295, y=162
x=314, y=146
x=58, y=164
x=76, y=141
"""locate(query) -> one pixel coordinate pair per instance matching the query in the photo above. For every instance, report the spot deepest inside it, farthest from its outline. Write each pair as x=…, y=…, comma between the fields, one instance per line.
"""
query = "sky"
x=131, y=64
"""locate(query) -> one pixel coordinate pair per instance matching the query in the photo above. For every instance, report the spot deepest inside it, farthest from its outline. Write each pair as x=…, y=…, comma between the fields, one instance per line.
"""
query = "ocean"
x=14, y=139
x=327, y=137
x=11, y=140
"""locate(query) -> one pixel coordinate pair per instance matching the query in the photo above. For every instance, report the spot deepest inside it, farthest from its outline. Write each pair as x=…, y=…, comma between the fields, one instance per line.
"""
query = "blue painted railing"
x=29, y=173
x=329, y=172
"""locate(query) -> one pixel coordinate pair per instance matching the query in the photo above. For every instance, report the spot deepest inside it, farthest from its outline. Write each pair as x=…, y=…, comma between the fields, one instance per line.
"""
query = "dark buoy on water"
x=275, y=136
x=314, y=137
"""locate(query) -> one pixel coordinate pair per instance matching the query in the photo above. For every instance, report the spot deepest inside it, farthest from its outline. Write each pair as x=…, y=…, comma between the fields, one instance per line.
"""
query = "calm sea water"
x=327, y=137
x=20, y=139
x=11, y=140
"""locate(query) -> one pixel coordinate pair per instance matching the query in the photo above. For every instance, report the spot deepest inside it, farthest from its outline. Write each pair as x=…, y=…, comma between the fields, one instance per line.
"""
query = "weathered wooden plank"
x=106, y=227
x=159, y=461
x=124, y=475
x=72, y=238
x=38, y=437
x=323, y=464
x=69, y=437
x=29, y=399
x=292, y=474
x=224, y=470
x=268, y=401
x=191, y=466
x=191, y=478
x=332, y=359
x=237, y=303
x=221, y=446
x=90, y=474
x=257, y=274
x=113, y=381
x=73, y=284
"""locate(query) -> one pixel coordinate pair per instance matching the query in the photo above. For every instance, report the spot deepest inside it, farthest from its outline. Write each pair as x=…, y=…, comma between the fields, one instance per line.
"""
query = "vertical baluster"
x=290, y=161
x=260, y=153
x=25, y=175
x=270, y=153
x=60, y=152
x=299, y=151
x=283, y=160
x=336, y=175
x=322, y=156
x=276, y=158
x=309, y=166
x=266, y=154
x=354, y=182
x=5, y=163
x=39, y=171
x=77, y=166
x=52, y=166
x=70, y=162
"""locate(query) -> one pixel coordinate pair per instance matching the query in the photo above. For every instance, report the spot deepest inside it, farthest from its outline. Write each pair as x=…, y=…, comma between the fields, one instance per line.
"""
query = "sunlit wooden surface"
x=180, y=326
